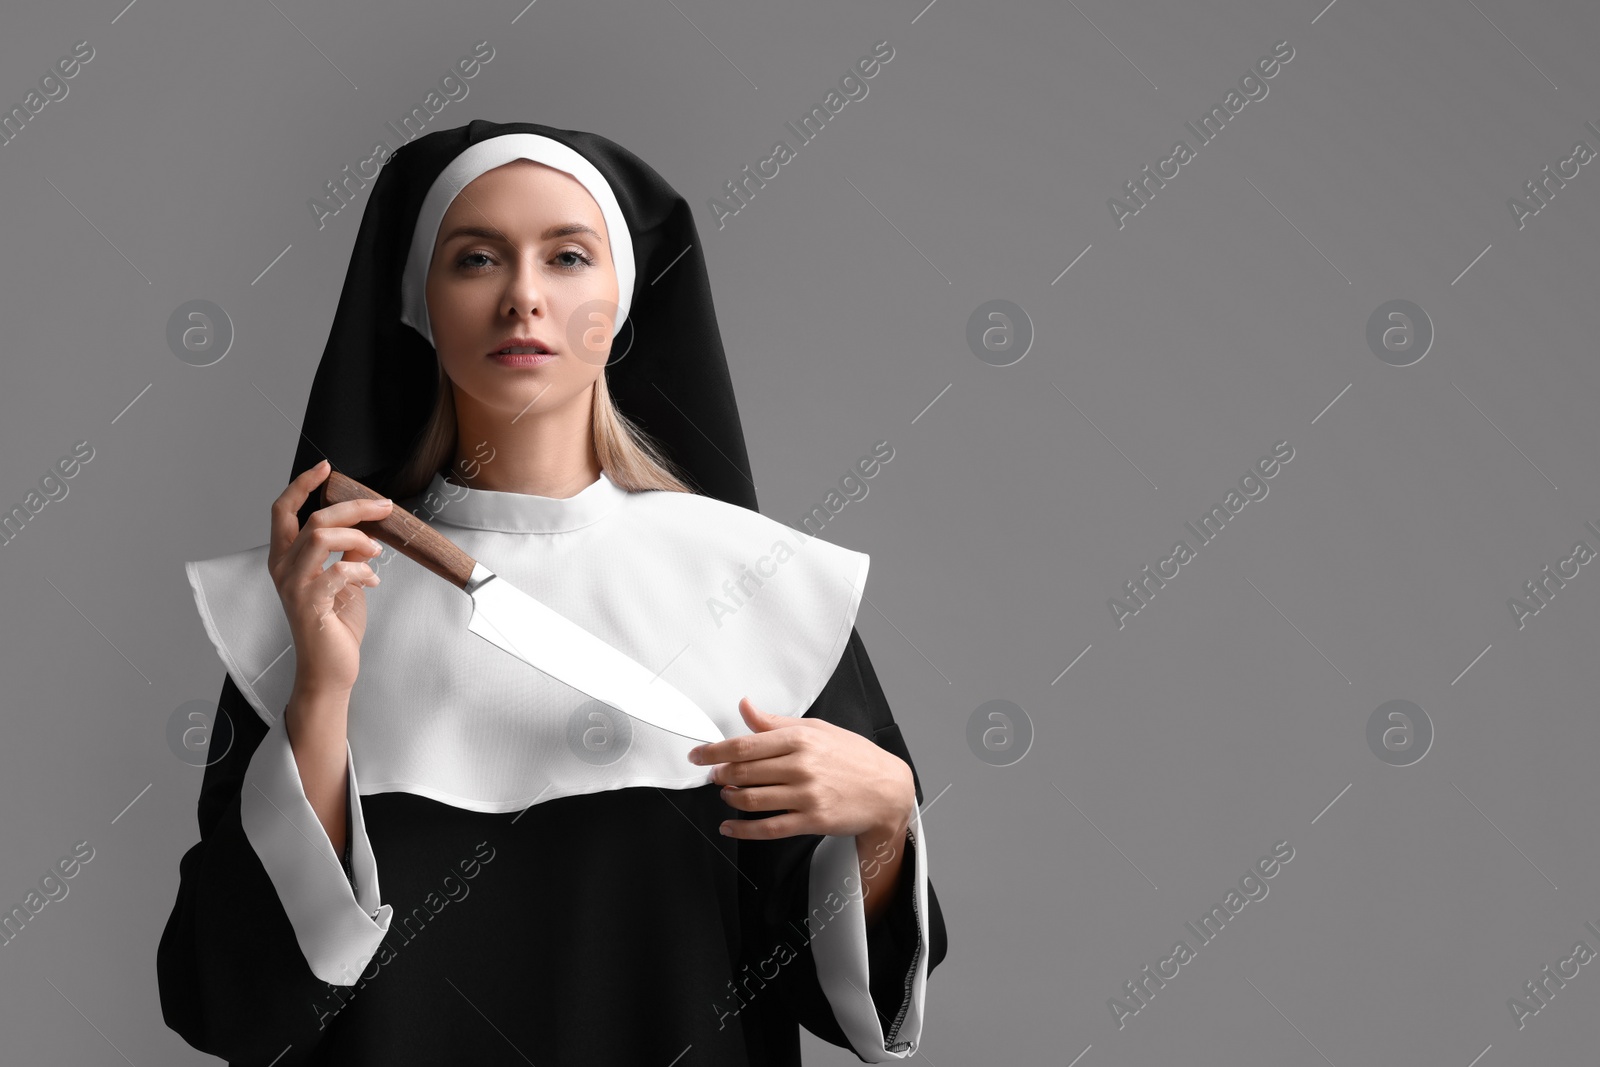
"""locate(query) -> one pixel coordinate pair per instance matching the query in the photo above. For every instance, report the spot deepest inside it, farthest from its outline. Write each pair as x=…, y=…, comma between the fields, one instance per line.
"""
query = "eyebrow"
x=489, y=233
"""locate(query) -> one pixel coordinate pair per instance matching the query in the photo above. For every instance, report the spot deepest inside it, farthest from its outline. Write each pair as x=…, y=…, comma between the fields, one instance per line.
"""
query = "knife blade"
x=533, y=632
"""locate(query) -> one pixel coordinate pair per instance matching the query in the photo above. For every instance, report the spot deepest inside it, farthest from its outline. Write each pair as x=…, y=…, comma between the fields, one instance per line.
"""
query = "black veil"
x=375, y=385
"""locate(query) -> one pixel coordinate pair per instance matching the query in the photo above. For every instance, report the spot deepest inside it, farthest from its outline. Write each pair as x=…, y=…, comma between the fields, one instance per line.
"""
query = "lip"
x=522, y=342
x=523, y=359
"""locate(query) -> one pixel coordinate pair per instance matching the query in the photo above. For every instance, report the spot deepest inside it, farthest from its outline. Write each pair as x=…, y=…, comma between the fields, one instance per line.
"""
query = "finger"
x=286, y=508
x=345, y=514
x=763, y=798
x=784, y=769
x=309, y=555
x=773, y=742
x=341, y=584
x=350, y=512
x=348, y=576
x=786, y=825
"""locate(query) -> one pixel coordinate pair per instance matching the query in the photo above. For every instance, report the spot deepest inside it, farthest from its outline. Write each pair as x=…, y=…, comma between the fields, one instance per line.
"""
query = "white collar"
x=488, y=509
x=725, y=601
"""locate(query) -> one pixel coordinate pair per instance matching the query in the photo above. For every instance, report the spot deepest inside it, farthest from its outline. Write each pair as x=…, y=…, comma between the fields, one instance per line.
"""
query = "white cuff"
x=840, y=950
x=339, y=926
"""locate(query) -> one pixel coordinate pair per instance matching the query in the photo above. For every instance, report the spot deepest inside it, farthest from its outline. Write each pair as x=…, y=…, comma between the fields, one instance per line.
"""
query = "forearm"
x=316, y=723
x=880, y=852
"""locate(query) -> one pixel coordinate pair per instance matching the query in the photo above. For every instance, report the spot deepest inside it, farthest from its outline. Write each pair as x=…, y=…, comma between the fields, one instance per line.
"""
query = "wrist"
x=892, y=829
x=316, y=715
x=321, y=693
x=898, y=823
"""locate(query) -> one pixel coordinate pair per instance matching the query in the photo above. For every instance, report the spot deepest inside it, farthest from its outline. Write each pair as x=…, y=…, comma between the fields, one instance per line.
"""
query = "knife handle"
x=404, y=532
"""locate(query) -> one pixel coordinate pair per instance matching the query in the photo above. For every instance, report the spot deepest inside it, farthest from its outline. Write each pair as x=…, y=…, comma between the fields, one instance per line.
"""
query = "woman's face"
x=522, y=252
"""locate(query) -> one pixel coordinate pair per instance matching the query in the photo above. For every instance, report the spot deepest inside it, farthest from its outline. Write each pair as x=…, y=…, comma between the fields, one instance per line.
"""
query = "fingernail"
x=386, y=502
x=694, y=755
x=724, y=828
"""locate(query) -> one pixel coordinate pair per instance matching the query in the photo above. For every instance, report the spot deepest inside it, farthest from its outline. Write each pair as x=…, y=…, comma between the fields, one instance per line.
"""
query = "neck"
x=545, y=453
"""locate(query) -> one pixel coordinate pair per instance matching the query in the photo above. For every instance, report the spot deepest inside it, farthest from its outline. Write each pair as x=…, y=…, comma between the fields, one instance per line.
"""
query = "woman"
x=554, y=888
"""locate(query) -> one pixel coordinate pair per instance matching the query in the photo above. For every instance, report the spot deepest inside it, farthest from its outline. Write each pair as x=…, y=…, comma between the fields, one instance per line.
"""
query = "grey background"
x=1228, y=315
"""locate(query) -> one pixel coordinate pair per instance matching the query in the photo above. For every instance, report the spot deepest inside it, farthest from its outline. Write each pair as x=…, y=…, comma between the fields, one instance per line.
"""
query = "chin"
x=536, y=395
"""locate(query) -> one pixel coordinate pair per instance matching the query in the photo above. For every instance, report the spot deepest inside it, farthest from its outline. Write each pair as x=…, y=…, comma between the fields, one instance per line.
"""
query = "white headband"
x=485, y=156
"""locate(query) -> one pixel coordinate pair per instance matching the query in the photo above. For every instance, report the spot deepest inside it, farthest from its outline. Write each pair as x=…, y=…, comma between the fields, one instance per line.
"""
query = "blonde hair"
x=626, y=453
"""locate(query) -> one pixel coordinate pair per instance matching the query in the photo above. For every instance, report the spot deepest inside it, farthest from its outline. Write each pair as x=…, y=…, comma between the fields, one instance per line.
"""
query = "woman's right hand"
x=326, y=606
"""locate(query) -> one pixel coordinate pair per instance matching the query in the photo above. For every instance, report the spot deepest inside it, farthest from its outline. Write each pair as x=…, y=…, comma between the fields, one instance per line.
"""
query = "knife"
x=536, y=634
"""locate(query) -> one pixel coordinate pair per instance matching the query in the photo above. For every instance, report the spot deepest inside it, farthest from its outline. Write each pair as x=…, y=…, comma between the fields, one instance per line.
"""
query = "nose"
x=524, y=293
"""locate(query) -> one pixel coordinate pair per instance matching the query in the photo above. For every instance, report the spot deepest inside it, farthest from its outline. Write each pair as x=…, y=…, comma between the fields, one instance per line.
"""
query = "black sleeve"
x=232, y=979
x=775, y=909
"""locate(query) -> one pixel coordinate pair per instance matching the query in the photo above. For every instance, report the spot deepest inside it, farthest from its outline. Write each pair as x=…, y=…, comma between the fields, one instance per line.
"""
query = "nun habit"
x=530, y=875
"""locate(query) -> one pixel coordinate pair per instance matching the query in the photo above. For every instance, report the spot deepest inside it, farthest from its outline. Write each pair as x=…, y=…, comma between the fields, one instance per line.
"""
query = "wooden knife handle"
x=404, y=532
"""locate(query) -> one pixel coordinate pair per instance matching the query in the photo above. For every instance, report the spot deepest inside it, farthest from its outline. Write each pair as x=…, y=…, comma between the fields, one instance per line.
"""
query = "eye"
x=583, y=257
x=583, y=260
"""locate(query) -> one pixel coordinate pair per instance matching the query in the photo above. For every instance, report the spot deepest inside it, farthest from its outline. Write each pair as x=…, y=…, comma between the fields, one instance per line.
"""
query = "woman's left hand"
x=825, y=778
